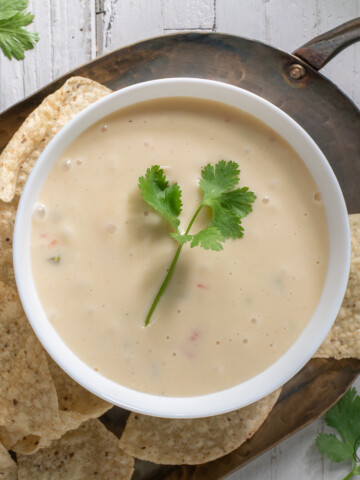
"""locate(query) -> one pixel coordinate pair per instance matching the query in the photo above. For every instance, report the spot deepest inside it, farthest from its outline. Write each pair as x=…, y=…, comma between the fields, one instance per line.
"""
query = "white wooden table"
x=73, y=32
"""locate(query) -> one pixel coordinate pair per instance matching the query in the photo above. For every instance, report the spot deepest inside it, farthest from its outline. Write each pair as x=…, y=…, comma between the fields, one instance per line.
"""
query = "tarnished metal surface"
x=319, y=51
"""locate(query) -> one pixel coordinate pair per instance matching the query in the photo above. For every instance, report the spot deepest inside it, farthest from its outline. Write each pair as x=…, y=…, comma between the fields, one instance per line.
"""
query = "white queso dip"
x=100, y=253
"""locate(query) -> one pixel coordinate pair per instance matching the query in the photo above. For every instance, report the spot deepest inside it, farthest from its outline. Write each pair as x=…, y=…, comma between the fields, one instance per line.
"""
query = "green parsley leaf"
x=164, y=199
x=345, y=418
x=8, y=8
x=333, y=448
x=14, y=38
x=181, y=238
x=209, y=238
x=228, y=204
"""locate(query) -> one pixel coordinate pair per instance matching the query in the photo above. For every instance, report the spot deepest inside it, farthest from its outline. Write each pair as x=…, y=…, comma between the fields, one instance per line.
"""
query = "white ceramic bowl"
x=308, y=342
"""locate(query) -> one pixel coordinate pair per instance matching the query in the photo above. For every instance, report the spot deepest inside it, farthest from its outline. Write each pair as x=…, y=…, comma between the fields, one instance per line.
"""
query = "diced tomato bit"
x=53, y=243
x=194, y=336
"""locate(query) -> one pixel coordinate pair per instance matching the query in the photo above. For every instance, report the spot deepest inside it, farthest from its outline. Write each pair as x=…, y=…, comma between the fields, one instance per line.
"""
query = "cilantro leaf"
x=228, y=204
x=209, y=239
x=333, y=448
x=165, y=199
x=8, y=8
x=239, y=201
x=345, y=418
x=14, y=38
x=182, y=239
x=221, y=178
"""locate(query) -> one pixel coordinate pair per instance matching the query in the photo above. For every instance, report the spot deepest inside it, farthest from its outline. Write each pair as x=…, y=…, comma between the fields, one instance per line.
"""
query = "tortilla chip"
x=21, y=153
x=28, y=399
x=8, y=468
x=75, y=403
x=343, y=340
x=193, y=441
x=19, y=157
x=89, y=452
x=7, y=220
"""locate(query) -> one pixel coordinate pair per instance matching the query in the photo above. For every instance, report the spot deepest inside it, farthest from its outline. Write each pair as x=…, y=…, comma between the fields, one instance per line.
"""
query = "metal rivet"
x=297, y=71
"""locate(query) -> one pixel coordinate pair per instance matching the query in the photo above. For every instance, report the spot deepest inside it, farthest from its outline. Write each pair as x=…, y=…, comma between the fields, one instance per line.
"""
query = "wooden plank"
x=11, y=82
x=298, y=21
x=66, y=41
x=241, y=17
x=189, y=15
x=71, y=31
x=129, y=21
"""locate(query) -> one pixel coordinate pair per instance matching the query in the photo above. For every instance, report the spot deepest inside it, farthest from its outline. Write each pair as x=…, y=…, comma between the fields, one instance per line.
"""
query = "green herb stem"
x=351, y=474
x=193, y=219
x=171, y=270
x=354, y=472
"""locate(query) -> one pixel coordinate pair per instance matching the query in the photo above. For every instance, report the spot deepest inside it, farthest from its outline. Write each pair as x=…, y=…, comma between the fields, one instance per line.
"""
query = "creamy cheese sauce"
x=99, y=253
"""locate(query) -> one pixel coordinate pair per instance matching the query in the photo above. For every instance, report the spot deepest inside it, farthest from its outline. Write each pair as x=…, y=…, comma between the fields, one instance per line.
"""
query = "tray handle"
x=319, y=51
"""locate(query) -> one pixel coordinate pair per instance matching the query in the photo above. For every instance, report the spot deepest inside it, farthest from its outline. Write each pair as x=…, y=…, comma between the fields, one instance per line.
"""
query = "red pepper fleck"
x=201, y=285
x=43, y=235
x=53, y=243
x=194, y=336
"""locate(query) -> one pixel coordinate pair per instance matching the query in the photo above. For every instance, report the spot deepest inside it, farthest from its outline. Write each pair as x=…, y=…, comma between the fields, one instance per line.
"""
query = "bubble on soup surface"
x=39, y=212
x=66, y=165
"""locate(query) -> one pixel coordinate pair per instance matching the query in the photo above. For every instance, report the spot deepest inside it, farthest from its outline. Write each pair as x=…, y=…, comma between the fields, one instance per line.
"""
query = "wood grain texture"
x=128, y=21
x=74, y=31
x=66, y=41
x=188, y=15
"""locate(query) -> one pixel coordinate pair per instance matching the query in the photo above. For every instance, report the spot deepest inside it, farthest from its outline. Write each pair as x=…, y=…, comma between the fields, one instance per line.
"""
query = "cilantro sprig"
x=345, y=418
x=228, y=204
x=14, y=38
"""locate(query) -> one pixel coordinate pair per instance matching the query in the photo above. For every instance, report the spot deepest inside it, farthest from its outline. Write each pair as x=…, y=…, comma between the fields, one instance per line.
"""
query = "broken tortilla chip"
x=91, y=451
x=193, y=441
x=8, y=468
x=343, y=340
x=76, y=404
x=28, y=399
x=21, y=153
x=7, y=221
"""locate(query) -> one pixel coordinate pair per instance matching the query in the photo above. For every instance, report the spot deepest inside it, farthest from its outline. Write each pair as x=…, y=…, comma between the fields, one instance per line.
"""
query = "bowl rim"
x=309, y=340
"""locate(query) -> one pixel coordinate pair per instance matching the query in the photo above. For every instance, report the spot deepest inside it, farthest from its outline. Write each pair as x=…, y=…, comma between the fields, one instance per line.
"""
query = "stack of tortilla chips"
x=47, y=421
